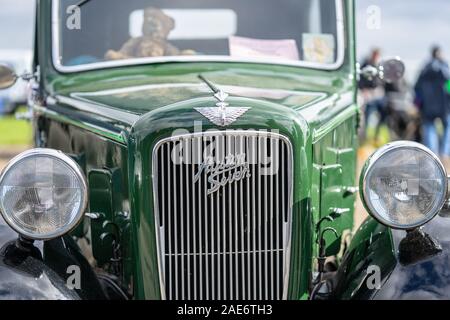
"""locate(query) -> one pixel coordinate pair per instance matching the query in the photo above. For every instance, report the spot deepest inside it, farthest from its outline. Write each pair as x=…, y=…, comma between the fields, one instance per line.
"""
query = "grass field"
x=383, y=137
x=14, y=132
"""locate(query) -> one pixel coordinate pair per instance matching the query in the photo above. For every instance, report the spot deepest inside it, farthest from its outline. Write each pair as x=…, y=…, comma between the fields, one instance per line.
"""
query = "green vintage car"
x=193, y=149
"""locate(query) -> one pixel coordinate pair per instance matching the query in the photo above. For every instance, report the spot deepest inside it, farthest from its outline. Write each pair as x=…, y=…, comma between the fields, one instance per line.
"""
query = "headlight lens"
x=403, y=185
x=43, y=194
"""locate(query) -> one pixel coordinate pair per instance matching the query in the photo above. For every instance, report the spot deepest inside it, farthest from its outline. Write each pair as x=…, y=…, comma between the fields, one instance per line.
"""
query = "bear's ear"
x=170, y=22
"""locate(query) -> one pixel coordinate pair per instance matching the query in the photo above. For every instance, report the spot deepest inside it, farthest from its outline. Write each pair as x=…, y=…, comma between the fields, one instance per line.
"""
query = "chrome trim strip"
x=253, y=135
x=117, y=137
x=97, y=108
x=56, y=57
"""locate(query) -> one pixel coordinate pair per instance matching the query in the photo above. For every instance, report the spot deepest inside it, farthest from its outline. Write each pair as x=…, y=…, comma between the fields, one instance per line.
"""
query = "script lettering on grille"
x=220, y=173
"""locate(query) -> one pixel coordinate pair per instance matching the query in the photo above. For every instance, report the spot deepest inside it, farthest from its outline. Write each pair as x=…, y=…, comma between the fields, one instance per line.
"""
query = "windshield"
x=100, y=32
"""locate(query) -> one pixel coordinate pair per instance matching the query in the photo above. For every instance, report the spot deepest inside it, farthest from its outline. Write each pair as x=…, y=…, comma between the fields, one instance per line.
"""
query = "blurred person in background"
x=433, y=101
x=402, y=117
x=372, y=94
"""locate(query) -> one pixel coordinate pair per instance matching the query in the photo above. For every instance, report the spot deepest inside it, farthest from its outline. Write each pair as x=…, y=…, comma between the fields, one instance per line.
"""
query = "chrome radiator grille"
x=223, y=211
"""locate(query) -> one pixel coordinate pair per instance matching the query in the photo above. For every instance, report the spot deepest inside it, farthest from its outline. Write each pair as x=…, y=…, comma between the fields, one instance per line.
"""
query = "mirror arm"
x=26, y=76
x=388, y=71
x=369, y=72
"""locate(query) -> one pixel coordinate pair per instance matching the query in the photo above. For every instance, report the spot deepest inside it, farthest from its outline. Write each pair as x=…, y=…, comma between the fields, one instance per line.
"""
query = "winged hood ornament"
x=222, y=115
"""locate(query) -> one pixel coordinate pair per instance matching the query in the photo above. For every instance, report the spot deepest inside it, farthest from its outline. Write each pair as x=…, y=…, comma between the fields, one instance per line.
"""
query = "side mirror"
x=390, y=70
x=7, y=77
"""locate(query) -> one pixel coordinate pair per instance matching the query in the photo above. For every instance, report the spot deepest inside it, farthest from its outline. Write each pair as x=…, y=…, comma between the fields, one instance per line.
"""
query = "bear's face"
x=157, y=24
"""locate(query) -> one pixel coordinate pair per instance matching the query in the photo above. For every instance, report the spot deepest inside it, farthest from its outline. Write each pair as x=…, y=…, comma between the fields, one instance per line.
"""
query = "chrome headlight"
x=43, y=194
x=403, y=185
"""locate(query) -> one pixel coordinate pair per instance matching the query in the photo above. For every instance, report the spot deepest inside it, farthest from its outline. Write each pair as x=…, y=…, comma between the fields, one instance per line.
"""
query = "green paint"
x=315, y=109
x=372, y=244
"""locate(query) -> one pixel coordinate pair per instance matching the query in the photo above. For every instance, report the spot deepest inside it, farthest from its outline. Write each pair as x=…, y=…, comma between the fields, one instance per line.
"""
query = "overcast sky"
x=408, y=28
x=16, y=24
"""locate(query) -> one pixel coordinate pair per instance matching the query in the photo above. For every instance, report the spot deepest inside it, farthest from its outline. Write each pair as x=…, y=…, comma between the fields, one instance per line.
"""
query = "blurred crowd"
x=418, y=112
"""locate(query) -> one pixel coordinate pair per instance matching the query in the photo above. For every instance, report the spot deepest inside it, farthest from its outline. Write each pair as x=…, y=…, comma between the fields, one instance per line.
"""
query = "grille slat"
x=224, y=203
x=249, y=273
x=201, y=235
x=206, y=227
x=220, y=247
x=182, y=227
x=270, y=235
x=259, y=216
x=213, y=249
x=265, y=222
x=277, y=242
x=230, y=223
x=242, y=218
x=194, y=220
x=224, y=215
x=169, y=218
x=255, y=150
x=176, y=238
x=188, y=218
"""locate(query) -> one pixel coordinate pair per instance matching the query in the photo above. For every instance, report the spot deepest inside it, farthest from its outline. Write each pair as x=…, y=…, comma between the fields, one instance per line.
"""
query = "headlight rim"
x=389, y=147
x=60, y=156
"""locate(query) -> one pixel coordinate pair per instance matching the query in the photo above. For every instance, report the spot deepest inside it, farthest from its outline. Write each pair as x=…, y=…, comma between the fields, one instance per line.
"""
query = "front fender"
x=23, y=276
x=372, y=245
x=40, y=270
x=427, y=276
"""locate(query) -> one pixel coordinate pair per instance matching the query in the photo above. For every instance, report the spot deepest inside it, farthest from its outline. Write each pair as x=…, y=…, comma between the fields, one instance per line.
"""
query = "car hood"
x=145, y=98
x=120, y=97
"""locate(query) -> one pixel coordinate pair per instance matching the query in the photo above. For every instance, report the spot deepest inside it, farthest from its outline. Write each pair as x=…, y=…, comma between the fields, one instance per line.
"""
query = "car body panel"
x=39, y=271
x=426, y=277
x=142, y=99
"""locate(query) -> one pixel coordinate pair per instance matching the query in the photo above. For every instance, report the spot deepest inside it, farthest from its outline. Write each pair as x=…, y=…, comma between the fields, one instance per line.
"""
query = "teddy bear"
x=153, y=43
